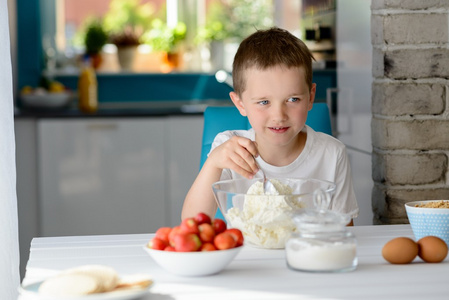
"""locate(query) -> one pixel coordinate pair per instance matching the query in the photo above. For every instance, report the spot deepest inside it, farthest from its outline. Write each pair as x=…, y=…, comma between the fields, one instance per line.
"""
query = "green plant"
x=235, y=19
x=127, y=20
x=163, y=38
x=126, y=37
x=95, y=36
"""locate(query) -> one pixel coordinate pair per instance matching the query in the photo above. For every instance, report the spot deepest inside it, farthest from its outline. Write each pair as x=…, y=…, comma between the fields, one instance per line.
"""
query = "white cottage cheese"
x=265, y=219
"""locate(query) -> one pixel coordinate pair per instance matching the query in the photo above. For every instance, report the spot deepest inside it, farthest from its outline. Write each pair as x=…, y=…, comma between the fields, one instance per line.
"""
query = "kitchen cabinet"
x=183, y=143
x=114, y=175
x=26, y=183
x=101, y=176
x=353, y=107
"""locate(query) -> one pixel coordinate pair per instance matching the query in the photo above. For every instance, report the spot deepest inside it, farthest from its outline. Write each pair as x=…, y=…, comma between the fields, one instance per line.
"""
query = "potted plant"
x=94, y=39
x=127, y=21
x=166, y=39
x=228, y=23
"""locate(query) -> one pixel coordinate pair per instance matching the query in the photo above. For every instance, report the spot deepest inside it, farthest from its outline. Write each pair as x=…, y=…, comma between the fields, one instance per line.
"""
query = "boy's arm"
x=200, y=197
x=237, y=154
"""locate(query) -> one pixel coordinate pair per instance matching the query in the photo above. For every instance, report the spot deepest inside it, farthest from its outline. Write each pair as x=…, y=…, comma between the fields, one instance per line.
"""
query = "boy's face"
x=276, y=102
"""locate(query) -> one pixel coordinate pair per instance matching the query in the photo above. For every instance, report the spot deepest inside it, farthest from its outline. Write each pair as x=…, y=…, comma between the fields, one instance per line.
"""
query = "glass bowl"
x=266, y=221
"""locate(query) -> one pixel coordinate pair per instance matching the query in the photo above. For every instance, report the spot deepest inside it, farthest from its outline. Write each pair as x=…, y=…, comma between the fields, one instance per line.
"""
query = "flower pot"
x=126, y=56
x=217, y=55
x=171, y=61
x=96, y=60
x=222, y=54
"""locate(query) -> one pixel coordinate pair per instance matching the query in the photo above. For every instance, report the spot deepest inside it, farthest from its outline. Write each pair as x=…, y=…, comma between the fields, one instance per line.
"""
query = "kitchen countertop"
x=149, y=109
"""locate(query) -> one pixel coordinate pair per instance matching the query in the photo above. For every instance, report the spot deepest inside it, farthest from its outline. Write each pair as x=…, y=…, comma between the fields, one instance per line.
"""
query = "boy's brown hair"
x=269, y=48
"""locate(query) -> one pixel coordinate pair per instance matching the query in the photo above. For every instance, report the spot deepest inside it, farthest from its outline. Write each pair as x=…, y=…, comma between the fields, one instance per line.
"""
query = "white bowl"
x=266, y=221
x=428, y=221
x=47, y=100
x=199, y=263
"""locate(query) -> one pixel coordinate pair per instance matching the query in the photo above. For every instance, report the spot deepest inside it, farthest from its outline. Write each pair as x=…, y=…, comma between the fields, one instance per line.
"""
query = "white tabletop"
x=255, y=273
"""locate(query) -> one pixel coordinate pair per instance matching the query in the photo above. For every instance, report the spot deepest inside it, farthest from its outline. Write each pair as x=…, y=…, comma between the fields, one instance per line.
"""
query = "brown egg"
x=432, y=249
x=401, y=250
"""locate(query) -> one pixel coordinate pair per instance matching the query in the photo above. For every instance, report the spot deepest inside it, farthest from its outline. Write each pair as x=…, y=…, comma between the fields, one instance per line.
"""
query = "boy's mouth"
x=278, y=129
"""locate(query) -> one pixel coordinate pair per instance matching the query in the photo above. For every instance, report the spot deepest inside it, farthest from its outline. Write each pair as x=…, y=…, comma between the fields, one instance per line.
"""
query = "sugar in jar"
x=321, y=242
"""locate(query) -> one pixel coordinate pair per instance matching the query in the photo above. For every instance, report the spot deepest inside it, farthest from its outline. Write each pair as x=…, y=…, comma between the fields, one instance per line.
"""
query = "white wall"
x=12, y=14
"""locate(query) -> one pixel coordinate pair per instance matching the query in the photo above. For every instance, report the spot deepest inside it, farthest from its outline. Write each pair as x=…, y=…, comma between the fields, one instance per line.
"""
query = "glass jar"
x=321, y=242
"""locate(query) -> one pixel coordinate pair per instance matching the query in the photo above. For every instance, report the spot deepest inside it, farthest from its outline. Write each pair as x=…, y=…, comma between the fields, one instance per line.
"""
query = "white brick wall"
x=401, y=97
x=410, y=125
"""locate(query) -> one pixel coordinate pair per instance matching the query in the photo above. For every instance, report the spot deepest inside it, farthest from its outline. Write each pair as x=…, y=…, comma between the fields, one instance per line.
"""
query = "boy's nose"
x=279, y=113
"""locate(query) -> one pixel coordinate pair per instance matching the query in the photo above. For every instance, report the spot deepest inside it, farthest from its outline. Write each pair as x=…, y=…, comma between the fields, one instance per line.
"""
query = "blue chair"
x=218, y=119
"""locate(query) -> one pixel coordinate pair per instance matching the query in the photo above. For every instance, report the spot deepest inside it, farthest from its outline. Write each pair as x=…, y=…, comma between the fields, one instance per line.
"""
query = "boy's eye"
x=263, y=102
x=293, y=99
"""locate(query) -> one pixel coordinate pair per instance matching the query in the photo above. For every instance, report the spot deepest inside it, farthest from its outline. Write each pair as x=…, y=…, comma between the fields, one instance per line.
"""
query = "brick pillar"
x=410, y=107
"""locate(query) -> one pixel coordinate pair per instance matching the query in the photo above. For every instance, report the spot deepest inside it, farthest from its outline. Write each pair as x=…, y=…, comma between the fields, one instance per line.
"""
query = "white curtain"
x=9, y=242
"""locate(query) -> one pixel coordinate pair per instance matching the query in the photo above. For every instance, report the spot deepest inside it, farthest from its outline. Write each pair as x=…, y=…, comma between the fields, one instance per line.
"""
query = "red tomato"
x=237, y=234
x=201, y=218
x=219, y=225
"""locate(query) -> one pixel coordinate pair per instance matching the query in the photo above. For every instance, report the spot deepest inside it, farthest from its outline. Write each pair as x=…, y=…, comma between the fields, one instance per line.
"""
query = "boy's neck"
x=282, y=155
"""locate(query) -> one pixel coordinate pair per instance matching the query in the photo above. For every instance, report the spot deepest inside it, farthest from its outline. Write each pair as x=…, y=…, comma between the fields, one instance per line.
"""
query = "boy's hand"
x=238, y=154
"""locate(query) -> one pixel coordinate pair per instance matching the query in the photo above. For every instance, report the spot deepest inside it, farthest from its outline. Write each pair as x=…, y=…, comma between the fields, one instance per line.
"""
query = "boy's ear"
x=312, y=95
x=238, y=103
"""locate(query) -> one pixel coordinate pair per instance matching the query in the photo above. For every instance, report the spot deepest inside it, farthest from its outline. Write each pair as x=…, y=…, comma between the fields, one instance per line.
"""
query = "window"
x=205, y=26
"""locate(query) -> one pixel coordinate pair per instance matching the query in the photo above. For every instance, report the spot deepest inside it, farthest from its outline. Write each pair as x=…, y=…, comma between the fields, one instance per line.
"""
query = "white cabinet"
x=26, y=186
x=354, y=77
x=86, y=176
x=183, y=142
x=113, y=176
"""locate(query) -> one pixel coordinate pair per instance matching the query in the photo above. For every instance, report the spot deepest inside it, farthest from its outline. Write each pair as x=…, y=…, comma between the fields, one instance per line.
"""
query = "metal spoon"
x=268, y=187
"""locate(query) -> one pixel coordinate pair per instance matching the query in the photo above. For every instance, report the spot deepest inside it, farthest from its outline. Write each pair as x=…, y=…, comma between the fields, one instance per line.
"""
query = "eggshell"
x=401, y=250
x=432, y=249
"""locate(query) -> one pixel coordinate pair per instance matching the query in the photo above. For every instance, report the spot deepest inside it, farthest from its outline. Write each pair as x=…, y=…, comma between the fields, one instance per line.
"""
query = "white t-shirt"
x=323, y=157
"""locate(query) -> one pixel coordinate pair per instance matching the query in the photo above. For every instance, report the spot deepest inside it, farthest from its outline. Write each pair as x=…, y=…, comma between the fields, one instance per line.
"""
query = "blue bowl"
x=428, y=221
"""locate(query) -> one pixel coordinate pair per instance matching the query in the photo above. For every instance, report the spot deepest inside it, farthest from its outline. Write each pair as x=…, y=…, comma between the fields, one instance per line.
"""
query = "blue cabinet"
x=176, y=87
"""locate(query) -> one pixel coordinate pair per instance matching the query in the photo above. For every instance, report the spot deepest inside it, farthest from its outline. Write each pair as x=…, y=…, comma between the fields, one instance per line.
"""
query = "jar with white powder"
x=321, y=242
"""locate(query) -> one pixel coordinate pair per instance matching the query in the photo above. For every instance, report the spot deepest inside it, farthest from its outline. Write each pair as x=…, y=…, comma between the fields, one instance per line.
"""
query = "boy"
x=272, y=76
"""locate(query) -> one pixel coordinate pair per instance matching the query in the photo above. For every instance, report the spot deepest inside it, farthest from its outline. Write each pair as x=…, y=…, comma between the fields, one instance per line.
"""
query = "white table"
x=255, y=273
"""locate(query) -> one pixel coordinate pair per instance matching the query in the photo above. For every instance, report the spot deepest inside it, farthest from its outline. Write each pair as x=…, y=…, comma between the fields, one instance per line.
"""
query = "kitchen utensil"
x=266, y=221
x=46, y=100
x=427, y=221
x=268, y=187
x=321, y=242
x=31, y=291
x=199, y=263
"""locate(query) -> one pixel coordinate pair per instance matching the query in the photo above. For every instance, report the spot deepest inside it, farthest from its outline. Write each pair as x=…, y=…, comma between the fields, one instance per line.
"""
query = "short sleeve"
x=344, y=199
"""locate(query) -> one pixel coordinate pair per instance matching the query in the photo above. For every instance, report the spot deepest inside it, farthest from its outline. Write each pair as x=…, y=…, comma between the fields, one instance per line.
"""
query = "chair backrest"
x=218, y=119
